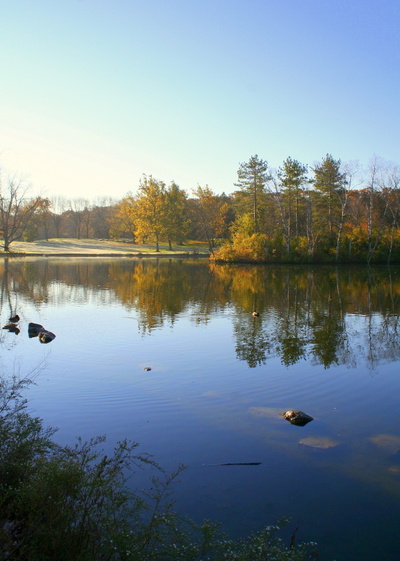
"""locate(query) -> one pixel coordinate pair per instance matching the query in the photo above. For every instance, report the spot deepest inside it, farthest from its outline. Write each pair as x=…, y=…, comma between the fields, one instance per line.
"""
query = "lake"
x=167, y=353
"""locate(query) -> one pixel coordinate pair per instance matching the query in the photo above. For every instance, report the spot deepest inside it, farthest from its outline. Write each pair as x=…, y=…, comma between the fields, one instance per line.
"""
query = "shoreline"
x=97, y=255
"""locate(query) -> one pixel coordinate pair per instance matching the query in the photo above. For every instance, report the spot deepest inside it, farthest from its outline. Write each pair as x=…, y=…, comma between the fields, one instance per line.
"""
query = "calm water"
x=326, y=342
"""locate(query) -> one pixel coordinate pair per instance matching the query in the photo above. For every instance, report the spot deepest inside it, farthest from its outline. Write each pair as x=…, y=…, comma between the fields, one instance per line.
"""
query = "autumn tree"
x=16, y=209
x=58, y=206
x=79, y=211
x=176, y=214
x=40, y=221
x=377, y=205
x=351, y=172
x=391, y=194
x=122, y=221
x=102, y=211
x=150, y=210
x=211, y=212
x=252, y=180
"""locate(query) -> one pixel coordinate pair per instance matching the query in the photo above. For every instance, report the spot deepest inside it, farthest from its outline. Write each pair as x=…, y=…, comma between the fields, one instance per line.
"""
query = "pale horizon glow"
x=94, y=94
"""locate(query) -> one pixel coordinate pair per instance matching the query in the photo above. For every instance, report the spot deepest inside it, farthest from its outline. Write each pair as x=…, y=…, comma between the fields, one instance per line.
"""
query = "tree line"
x=328, y=212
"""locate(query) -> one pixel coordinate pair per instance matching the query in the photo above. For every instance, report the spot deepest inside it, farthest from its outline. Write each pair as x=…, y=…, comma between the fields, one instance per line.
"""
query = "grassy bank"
x=102, y=248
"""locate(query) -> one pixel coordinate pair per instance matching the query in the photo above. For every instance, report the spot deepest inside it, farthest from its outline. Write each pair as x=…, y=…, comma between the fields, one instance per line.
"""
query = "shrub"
x=244, y=248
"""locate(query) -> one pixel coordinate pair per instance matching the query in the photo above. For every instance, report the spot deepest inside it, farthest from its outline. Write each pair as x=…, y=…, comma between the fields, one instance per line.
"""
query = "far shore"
x=67, y=247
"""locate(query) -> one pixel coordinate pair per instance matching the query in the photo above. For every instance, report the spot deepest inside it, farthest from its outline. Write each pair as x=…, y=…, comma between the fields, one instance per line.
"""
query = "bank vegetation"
x=329, y=212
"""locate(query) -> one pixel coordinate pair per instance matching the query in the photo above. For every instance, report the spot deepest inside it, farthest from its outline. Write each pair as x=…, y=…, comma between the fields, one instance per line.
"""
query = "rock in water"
x=46, y=336
x=12, y=328
x=34, y=329
x=322, y=442
x=297, y=417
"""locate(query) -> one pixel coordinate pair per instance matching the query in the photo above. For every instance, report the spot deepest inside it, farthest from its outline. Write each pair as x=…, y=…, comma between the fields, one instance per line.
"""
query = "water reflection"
x=305, y=313
x=204, y=399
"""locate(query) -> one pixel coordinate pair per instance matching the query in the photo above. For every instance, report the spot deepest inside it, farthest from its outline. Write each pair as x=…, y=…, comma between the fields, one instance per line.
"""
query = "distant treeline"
x=329, y=212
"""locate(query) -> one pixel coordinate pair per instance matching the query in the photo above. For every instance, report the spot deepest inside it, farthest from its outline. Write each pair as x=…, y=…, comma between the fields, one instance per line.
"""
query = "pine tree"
x=252, y=180
x=329, y=185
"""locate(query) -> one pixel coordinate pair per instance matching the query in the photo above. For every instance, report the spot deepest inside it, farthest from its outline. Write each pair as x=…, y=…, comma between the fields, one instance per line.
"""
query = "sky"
x=96, y=93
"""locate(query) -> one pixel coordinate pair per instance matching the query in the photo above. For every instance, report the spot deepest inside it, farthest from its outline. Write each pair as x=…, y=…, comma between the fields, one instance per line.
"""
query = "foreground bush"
x=74, y=503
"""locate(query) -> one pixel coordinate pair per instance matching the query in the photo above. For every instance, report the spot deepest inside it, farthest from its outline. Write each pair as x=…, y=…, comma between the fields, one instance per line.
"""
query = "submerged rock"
x=388, y=443
x=297, y=417
x=323, y=442
x=271, y=412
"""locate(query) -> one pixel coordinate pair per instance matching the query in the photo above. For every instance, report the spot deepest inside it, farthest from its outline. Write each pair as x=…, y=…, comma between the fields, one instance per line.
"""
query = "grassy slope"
x=70, y=246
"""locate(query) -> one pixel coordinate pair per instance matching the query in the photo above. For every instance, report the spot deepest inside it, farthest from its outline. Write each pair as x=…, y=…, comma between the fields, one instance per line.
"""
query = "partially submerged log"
x=236, y=464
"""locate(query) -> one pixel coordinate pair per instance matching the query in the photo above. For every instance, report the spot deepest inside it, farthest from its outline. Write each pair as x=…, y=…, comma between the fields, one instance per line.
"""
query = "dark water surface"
x=326, y=342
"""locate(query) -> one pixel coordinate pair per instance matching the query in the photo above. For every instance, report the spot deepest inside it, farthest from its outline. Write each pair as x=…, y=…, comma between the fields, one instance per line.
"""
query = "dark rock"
x=34, y=329
x=12, y=328
x=297, y=417
x=14, y=319
x=46, y=336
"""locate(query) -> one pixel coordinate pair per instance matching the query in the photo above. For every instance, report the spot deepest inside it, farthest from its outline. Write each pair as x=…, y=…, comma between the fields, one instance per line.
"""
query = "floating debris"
x=322, y=442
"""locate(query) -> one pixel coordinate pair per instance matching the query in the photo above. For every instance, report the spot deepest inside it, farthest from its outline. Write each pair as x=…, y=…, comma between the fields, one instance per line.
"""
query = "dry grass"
x=71, y=246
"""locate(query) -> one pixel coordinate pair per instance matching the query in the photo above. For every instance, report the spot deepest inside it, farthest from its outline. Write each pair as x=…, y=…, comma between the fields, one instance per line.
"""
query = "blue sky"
x=95, y=93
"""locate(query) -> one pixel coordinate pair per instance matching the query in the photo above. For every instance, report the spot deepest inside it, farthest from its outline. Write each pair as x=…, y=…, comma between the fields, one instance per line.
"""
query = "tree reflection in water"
x=305, y=312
